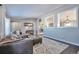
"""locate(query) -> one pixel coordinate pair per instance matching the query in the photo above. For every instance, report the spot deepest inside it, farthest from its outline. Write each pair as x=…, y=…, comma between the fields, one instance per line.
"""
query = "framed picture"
x=50, y=21
x=68, y=18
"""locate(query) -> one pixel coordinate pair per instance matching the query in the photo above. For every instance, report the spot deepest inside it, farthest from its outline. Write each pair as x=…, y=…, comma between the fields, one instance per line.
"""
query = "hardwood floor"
x=71, y=50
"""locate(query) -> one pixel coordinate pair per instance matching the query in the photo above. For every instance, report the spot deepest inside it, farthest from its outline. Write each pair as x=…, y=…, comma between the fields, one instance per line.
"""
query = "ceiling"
x=29, y=10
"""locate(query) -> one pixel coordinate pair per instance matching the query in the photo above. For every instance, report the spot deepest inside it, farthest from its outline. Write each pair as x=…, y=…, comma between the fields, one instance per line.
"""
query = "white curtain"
x=7, y=26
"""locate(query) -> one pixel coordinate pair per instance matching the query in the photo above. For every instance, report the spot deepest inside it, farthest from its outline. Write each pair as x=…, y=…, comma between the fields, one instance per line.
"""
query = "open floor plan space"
x=39, y=28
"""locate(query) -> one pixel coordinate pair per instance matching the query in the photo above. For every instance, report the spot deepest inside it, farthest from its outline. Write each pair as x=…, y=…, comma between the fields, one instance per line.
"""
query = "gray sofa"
x=22, y=46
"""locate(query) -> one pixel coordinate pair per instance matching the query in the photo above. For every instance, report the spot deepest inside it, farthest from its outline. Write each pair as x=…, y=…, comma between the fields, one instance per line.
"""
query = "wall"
x=69, y=35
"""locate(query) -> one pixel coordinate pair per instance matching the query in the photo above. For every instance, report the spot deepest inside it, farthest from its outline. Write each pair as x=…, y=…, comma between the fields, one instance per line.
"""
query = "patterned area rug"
x=49, y=47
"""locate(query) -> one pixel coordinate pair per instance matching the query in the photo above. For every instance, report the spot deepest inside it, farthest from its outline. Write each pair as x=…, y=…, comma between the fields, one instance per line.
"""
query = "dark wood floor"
x=71, y=50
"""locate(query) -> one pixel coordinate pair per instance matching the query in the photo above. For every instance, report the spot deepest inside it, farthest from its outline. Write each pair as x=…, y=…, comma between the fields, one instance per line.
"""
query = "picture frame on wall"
x=68, y=18
x=50, y=21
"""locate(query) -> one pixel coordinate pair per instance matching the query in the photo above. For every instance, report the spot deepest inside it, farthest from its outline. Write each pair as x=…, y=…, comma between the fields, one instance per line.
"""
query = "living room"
x=52, y=30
